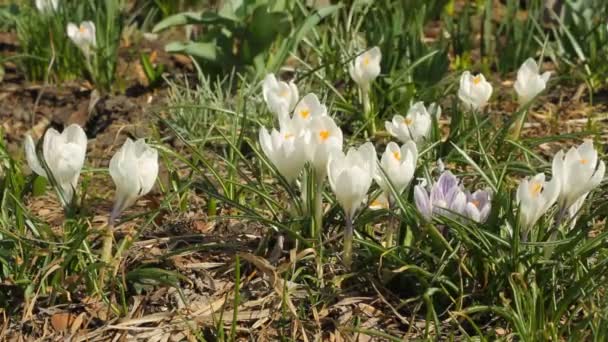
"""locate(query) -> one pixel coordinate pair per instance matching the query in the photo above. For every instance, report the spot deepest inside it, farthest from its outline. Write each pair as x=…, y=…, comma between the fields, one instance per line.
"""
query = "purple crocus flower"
x=446, y=197
x=478, y=205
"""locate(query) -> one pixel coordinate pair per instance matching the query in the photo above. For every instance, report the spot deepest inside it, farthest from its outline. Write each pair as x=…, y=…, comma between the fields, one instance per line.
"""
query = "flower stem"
x=318, y=207
x=348, y=242
x=212, y=207
x=558, y=221
x=367, y=112
x=106, y=250
x=390, y=231
x=515, y=131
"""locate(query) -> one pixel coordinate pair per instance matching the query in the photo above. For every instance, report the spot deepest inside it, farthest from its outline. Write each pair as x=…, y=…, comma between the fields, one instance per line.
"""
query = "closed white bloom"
x=398, y=165
x=45, y=6
x=285, y=149
x=134, y=168
x=366, y=67
x=308, y=108
x=535, y=196
x=280, y=97
x=64, y=155
x=83, y=36
x=529, y=81
x=350, y=176
x=435, y=109
x=415, y=126
x=474, y=91
x=578, y=171
x=323, y=137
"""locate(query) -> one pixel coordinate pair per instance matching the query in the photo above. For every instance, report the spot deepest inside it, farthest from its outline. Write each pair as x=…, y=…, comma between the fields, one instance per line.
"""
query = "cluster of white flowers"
x=308, y=134
x=133, y=168
x=475, y=91
x=575, y=174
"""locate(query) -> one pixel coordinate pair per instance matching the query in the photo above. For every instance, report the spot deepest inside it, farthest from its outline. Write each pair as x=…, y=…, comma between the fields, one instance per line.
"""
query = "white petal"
x=32, y=158
x=72, y=31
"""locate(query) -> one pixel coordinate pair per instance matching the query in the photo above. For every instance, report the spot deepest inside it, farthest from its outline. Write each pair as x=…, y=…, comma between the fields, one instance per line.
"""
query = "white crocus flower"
x=281, y=97
x=322, y=138
x=529, y=81
x=46, y=6
x=578, y=171
x=474, y=91
x=134, y=168
x=83, y=36
x=285, y=149
x=534, y=197
x=350, y=176
x=415, y=126
x=308, y=108
x=397, y=165
x=64, y=155
x=366, y=67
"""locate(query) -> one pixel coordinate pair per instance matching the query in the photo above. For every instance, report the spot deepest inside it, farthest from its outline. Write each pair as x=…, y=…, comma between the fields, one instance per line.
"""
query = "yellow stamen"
x=284, y=93
x=289, y=135
x=397, y=155
x=304, y=113
x=366, y=60
x=476, y=79
x=476, y=203
x=82, y=29
x=324, y=135
x=408, y=121
x=584, y=161
x=378, y=203
x=536, y=188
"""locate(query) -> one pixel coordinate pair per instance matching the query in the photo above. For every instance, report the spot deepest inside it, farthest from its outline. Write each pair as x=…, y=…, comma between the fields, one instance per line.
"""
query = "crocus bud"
x=46, y=6
x=474, y=91
x=397, y=165
x=134, y=168
x=83, y=36
x=350, y=176
x=529, y=81
x=323, y=137
x=366, y=67
x=64, y=155
x=285, y=148
x=578, y=172
x=535, y=197
x=281, y=97
x=415, y=126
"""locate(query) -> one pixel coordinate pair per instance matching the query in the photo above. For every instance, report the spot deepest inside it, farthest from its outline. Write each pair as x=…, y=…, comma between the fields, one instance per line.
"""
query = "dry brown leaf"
x=77, y=324
x=369, y=310
x=61, y=321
